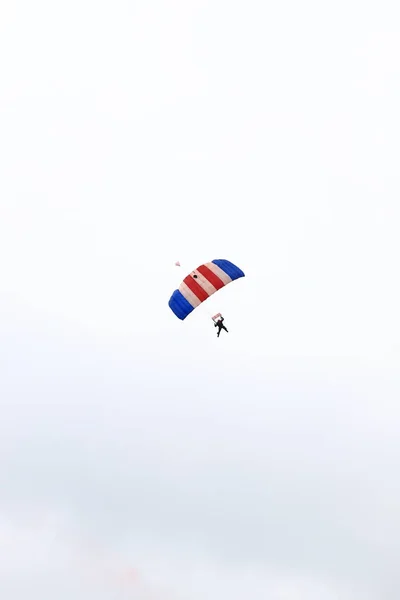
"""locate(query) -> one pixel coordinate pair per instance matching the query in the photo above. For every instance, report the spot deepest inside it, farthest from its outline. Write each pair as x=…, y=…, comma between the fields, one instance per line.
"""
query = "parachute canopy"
x=200, y=284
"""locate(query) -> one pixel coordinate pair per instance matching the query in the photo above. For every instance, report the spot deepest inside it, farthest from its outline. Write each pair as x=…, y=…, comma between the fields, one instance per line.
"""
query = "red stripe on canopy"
x=196, y=288
x=211, y=277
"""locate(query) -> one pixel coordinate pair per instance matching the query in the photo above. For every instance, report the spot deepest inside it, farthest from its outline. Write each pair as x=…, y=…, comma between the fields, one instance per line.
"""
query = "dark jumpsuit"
x=220, y=326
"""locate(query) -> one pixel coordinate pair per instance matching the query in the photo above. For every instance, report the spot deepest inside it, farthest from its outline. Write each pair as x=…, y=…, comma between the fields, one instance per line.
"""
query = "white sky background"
x=263, y=464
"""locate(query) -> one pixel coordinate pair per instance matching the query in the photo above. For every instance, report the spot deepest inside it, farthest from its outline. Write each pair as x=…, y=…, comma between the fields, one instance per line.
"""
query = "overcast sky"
x=140, y=456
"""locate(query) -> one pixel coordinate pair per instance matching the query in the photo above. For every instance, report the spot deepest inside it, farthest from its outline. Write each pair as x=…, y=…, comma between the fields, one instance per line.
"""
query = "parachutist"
x=220, y=325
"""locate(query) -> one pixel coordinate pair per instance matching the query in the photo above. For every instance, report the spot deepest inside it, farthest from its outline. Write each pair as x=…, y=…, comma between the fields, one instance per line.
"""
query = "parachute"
x=200, y=284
